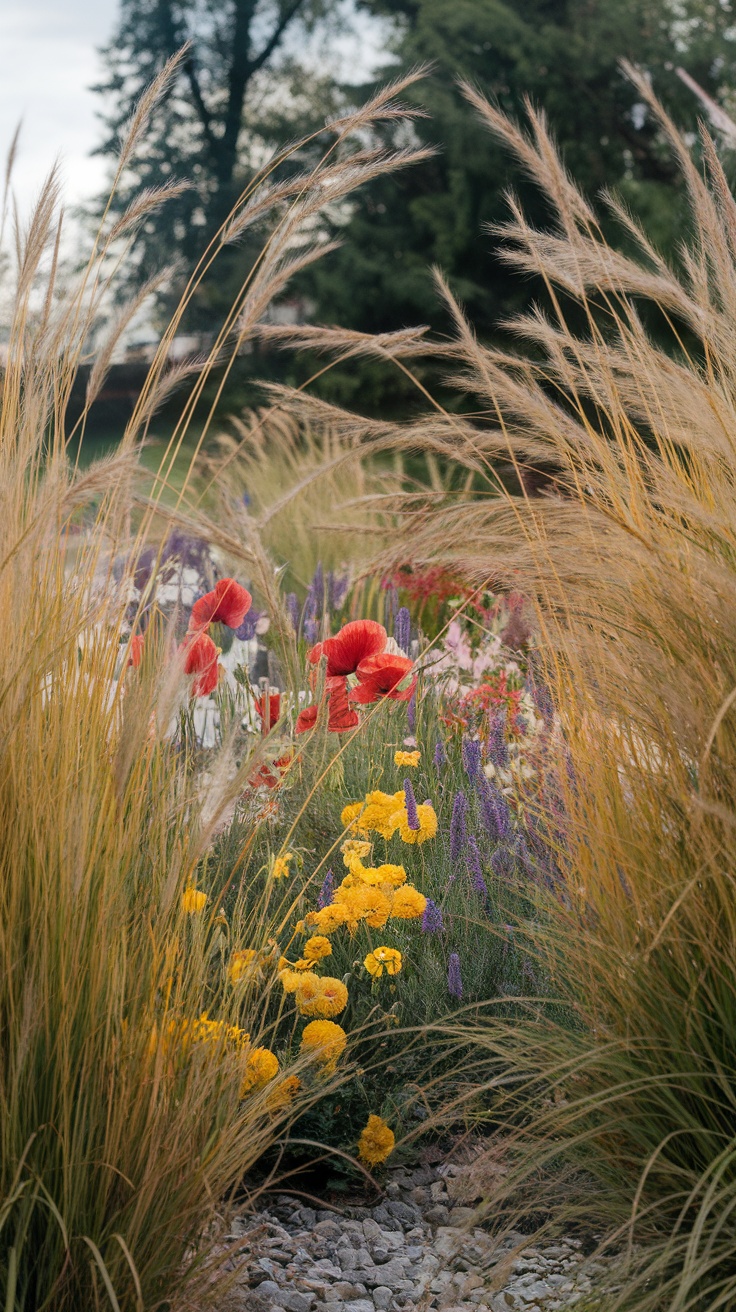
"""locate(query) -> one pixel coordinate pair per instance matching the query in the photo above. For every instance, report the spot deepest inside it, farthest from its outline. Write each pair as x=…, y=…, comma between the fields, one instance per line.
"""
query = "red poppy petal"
x=306, y=719
x=136, y=650
x=228, y=603
x=355, y=641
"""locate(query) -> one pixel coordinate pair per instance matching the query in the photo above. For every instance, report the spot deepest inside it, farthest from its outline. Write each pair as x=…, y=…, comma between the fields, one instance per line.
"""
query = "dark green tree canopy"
x=565, y=56
x=240, y=91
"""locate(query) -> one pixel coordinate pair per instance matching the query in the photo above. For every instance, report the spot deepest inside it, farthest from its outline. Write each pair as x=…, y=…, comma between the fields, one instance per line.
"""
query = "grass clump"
x=137, y=1081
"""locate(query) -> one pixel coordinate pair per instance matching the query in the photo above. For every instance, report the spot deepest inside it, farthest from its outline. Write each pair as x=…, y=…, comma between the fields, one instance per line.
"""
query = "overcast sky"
x=48, y=62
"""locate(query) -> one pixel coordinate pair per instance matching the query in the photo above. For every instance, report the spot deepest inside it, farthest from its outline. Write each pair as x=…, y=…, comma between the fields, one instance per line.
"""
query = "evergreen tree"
x=564, y=55
x=242, y=89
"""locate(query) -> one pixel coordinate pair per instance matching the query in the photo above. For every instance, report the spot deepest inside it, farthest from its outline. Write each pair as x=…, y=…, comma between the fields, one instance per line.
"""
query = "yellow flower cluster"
x=380, y=959
x=315, y=995
x=325, y=1041
x=385, y=814
x=261, y=1066
x=193, y=900
x=280, y=868
x=373, y=894
x=214, y=1032
x=376, y=1142
x=407, y=758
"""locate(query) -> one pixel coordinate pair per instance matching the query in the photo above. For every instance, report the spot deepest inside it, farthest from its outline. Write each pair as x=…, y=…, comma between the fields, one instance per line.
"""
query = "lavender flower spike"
x=432, y=920
x=412, y=815
x=472, y=758
x=293, y=610
x=454, y=981
x=458, y=829
x=411, y=712
x=402, y=629
x=494, y=810
x=440, y=757
x=325, y=893
x=498, y=751
x=475, y=866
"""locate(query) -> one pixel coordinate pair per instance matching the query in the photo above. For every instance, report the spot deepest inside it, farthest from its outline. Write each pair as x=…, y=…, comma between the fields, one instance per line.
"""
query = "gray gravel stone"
x=298, y=1302
x=382, y=1296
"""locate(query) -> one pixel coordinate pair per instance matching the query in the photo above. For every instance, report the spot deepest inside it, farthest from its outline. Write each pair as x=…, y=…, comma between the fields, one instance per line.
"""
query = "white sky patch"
x=48, y=61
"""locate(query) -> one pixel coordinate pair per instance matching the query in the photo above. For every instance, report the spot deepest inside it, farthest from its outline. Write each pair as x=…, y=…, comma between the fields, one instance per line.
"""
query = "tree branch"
x=275, y=36
x=174, y=39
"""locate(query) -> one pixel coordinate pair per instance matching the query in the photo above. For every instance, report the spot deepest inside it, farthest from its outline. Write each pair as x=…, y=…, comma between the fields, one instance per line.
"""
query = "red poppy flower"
x=136, y=650
x=379, y=676
x=354, y=642
x=201, y=659
x=271, y=775
x=228, y=603
x=274, y=709
x=340, y=715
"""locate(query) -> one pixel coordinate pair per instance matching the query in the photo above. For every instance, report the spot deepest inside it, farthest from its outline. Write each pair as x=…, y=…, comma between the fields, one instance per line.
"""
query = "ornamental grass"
x=615, y=1086
x=138, y=1084
x=615, y=1095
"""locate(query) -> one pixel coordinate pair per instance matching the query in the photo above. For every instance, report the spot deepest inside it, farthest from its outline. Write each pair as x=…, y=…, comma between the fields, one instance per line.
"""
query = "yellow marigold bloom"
x=307, y=992
x=241, y=963
x=375, y=813
x=380, y=959
x=407, y=758
x=284, y=1093
x=317, y=947
x=262, y=1065
x=216, y=1032
x=408, y=903
x=390, y=874
x=328, y=919
x=354, y=849
x=364, y=903
x=427, y=824
x=291, y=979
x=327, y=998
x=333, y=998
x=324, y=1040
x=193, y=900
x=376, y=1142
x=281, y=866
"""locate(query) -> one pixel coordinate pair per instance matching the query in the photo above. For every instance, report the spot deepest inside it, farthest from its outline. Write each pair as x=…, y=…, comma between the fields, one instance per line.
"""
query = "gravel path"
x=416, y=1249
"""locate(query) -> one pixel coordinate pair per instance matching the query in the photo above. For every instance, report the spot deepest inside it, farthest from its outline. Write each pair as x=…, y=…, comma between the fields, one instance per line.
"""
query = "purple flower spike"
x=503, y=862
x=454, y=981
x=412, y=814
x=337, y=589
x=440, y=757
x=472, y=758
x=411, y=712
x=402, y=629
x=247, y=629
x=316, y=592
x=498, y=751
x=432, y=921
x=494, y=810
x=293, y=610
x=458, y=829
x=541, y=697
x=475, y=866
x=325, y=893
x=311, y=630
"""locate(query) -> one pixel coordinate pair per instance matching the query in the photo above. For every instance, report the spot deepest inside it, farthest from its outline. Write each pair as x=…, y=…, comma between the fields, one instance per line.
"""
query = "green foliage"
x=565, y=58
x=223, y=116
